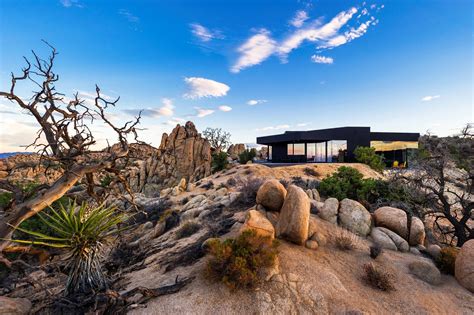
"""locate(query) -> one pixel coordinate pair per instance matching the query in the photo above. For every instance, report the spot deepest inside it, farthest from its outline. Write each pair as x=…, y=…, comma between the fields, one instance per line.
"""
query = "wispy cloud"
x=174, y=121
x=430, y=98
x=304, y=124
x=255, y=50
x=204, y=34
x=129, y=16
x=225, y=108
x=334, y=33
x=322, y=59
x=203, y=112
x=71, y=3
x=201, y=87
x=299, y=19
x=278, y=127
x=166, y=109
x=256, y=102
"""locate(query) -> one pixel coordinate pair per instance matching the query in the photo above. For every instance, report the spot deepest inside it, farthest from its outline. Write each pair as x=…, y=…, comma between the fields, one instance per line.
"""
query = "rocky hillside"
x=324, y=246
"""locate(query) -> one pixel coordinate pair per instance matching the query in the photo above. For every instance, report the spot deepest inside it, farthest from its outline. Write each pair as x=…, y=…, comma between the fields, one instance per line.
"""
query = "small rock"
x=414, y=250
x=148, y=225
x=316, y=206
x=311, y=244
x=329, y=210
x=425, y=271
x=259, y=223
x=316, y=196
x=14, y=306
x=160, y=228
x=309, y=192
x=434, y=251
x=320, y=238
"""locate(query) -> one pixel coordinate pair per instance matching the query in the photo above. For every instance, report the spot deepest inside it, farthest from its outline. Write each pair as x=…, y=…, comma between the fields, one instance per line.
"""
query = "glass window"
x=270, y=152
x=311, y=152
x=381, y=146
x=337, y=150
x=290, y=149
x=298, y=149
x=321, y=152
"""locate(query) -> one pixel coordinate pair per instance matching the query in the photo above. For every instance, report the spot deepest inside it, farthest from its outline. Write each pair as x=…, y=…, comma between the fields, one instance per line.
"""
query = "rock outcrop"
x=293, y=223
x=396, y=220
x=464, y=266
x=271, y=195
x=425, y=271
x=14, y=306
x=259, y=223
x=235, y=149
x=354, y=217
x=182, y=154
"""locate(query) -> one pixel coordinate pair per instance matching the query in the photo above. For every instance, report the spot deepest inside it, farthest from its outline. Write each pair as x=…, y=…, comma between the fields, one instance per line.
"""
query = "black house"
x=338, y=145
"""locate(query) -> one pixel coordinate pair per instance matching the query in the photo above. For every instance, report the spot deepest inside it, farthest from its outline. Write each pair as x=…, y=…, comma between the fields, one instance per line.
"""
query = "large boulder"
x=329, y=210
x=425, y=271
x=417, y=232
x=401, y=244
x=14, y=306
x=259, y=223
x=271, y=195
x=293, y=224
x=393, y=219
x=354, y=217
x=464, y=266
x=382, y=239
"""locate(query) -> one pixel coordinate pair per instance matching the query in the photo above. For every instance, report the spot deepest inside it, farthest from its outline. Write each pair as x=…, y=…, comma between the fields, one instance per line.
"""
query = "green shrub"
x=247, y=155
x=106, y=181
x=5, y=199
x=187, y=229
x=368, y=156
x=239, y=262
x=378, y=277
x=82, y=231
x=446, y=259
x=219, y=161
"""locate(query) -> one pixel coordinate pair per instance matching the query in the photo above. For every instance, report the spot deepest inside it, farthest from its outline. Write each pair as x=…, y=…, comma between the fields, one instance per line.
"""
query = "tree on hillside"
x=444, y=173
x=218, y=138
x=64, y=140
x=368, y=156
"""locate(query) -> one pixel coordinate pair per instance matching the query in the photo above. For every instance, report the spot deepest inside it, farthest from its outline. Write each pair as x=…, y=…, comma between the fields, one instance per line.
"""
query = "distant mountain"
x=8, y=154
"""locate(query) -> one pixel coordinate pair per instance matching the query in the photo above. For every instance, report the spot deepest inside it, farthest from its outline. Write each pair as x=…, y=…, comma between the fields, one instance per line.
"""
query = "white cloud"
x=278, y=127
x=255, y=50
x=256, y=102
x=201, y=87
x=129, y=16
x=328, y=35
x=302, y=124
x=203, y=112
x=167, y=109
x=175, y=120
x=300, y=17
x=203, y=33
x=225, y=108
x=71, y=3
x=430, y=98
x=321, y=59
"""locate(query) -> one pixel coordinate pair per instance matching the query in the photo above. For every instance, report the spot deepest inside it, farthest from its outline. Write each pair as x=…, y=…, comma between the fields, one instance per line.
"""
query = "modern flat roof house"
x=338, y=145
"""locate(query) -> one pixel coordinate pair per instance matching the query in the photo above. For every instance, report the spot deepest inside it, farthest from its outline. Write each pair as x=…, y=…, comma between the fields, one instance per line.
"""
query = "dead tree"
x=64, y=139
x=218, y=138
x=444, y=172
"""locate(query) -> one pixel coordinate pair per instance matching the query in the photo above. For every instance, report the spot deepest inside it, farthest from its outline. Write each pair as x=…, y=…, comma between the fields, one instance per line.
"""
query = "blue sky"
x=251, y=67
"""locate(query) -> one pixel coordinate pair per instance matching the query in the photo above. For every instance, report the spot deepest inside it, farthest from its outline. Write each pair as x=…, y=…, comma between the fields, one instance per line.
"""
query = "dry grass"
x=378, y=277
x=346, y=240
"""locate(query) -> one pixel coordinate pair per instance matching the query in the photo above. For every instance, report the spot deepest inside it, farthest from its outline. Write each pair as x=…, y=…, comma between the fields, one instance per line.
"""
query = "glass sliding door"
x=337, y=150
x=321, y=152
x=311, y=152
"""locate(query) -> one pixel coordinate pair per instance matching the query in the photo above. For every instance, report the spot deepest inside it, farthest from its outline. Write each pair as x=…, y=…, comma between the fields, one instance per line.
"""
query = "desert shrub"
x=248, y=172
x=231, y=182
x=345, y=240
x=185, y=200
x=187, y=229
x=375, y=251
x=219, y=161
x=378, y=277
x=368, y=156
x=247, y=155
x=208, y=185
x=310, y=171
x=82, y=231
x=239, y=262
x=285, y=183
x=106, y=181
x=446, y=259
x=5, y=199
x=298, y=181
x=248, y=192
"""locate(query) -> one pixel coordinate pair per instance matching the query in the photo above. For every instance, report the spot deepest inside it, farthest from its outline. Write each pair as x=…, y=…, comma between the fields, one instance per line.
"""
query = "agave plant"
x=81, y=230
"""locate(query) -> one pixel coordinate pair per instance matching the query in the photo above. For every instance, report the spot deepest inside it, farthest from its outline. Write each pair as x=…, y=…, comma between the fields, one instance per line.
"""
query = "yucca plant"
x=82, y=231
